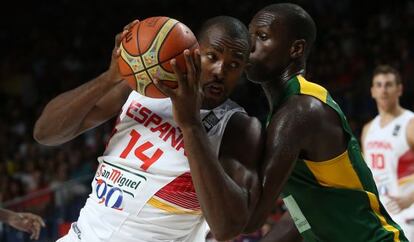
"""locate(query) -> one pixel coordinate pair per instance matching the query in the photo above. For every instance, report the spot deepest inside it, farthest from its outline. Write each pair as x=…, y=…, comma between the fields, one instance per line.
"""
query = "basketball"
x=146, y=52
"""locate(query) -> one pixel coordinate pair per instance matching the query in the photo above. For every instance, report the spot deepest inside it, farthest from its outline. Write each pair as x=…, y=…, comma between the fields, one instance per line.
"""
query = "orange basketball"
x=146, y=52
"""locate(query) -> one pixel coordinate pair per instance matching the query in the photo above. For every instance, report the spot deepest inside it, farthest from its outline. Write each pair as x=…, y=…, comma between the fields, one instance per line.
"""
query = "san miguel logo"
x=112, y=182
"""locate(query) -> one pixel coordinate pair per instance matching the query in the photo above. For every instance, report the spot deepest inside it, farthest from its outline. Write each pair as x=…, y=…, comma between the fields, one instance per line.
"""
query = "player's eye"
x=389, y=84
x=262, y=36
x=234, y=65
x=211, y=56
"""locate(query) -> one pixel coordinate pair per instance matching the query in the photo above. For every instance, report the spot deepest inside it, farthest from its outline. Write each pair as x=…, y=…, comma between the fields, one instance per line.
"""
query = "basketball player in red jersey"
x=136, y=200
x=388, y=145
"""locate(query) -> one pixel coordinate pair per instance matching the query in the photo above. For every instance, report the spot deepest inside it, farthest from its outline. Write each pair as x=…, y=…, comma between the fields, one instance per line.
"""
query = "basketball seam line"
x=127, y=63
x=158, y=57
x=163, y=42
x=142, y=60
x=159, y=63
x=143, y=63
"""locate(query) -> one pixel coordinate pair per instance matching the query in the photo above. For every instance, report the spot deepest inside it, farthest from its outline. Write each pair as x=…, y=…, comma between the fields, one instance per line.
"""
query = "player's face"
x=385, y=90
x=269, y=54
x=222, y=62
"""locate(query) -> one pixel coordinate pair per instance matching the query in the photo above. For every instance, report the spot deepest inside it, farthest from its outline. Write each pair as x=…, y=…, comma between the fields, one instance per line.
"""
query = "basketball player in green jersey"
x=311, y=156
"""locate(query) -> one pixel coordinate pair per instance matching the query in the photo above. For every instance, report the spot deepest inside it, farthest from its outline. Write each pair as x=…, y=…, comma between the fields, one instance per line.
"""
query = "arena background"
x=48, y=47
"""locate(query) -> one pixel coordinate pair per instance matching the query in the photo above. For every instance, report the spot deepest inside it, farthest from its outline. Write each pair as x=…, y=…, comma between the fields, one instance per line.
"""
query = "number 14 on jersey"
x=140, y=149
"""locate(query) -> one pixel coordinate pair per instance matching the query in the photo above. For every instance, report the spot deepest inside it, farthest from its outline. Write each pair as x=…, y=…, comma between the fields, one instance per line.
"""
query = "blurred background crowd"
x=52, y=46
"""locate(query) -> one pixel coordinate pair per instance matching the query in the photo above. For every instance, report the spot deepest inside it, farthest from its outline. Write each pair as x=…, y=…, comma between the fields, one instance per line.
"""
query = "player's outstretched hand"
x=397, y=204
x=27, y=222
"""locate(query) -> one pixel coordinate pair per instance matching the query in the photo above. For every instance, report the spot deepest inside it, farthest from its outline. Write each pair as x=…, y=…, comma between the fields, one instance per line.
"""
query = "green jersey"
x=335, y=200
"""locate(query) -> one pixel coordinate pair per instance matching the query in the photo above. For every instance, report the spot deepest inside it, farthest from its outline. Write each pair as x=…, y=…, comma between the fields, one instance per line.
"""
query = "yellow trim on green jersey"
x=337, y=172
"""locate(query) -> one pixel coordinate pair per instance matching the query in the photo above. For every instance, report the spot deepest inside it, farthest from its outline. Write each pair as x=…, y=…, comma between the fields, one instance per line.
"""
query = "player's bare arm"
x=302, y=128
x=282, y=150
x=85, y=107
x=410, y=134
x=227, y=185
x=399, y=203
x=364, y=133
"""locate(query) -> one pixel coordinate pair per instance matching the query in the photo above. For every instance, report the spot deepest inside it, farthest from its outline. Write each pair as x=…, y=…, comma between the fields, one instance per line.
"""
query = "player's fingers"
x=32, y=224
x=42, y=222
x=197, y=62
x=26, y=221
x=390, y=203
x=130, y=25
x=118, y=39
x=36, y=229
x=180, y=76
x=37, y=219
x=392, y=207
x=397, y=210
x=200, y=92
x=169, y=92
x=34, y=235
x=123, y=34
x=189, y=66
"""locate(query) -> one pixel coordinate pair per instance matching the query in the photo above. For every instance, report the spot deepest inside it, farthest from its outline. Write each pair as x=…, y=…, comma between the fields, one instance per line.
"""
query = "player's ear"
x=297, y=48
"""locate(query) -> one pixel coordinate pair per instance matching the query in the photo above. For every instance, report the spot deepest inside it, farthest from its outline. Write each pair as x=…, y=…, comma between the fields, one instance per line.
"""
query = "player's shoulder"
x=232, y=105
x=409, y=114
x=304, y=108
x=365, y=129
x=410, y=132
x=305, y=115
x=243, y=132
x=411, y=121
x=410, y=125
x=304, y=103
x=367, y=125
x=239, y=124
x=243, y=124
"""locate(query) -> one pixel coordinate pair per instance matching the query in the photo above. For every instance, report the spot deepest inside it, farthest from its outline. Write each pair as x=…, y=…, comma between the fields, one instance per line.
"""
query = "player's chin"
x=213, y=99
